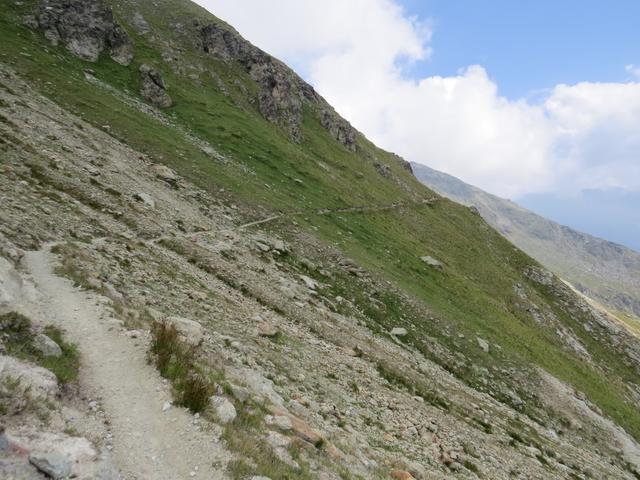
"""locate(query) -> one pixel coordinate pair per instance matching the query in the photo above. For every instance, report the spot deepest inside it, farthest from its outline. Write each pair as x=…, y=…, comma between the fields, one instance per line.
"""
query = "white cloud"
x=354, y=53
x=596, y=133
x=633, y=70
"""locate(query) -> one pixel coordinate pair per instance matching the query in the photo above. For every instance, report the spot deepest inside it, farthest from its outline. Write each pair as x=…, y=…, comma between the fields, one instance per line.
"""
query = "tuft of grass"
x=196, y=391
x=66, y=366
x=176, y=361
x=469, y=465
x=18, y=339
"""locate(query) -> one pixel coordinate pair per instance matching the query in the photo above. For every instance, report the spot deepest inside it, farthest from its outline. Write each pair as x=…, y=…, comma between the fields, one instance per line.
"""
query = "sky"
x=534, y=101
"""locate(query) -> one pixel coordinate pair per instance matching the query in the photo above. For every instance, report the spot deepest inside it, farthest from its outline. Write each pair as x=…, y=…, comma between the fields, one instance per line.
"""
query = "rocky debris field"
x=284, y=377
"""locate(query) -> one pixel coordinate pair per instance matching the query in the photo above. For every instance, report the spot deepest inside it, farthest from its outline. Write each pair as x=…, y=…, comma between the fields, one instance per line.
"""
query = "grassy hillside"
x=605, y=271
x=215, y=136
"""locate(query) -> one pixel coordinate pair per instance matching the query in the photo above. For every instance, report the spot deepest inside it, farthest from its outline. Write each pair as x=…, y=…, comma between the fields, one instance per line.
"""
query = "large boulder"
x=189, y=330
x=46, y=346
x=224, y=409
x=52, y=464
x=62, y=456
x=432, y=262
x=261, y=388
x=153, y=87
x=85, y=27
x=22, y=384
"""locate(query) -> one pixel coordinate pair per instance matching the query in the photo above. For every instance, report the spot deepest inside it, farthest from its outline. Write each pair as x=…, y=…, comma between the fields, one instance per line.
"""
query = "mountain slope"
x=605, y=271
x=188, y=174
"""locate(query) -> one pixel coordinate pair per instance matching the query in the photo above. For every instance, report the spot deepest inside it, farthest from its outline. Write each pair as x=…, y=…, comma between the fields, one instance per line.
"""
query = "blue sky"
x=528, y=46
x=537, y=101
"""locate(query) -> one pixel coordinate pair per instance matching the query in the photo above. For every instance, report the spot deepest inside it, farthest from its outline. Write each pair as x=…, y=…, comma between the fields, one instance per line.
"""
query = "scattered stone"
x=197, y=295
x=139, y=23
x=263, y=247
x=53, y=464
x=309, y=282
x=280, y=247
x=46, y=346
x=164, y=173
x=401, y=475
x=281, y=422
x=166, y=406
x=267, y=329
x=153, y=87
x=146, y=199
x=224, y=409
x=483, y=344
x=398, y=332
x=432, y=262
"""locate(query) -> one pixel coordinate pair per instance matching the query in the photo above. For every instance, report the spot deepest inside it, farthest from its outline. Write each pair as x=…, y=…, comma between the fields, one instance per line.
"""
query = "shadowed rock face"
x=339, y=129
x=282, y=92
x=404, y=163
x=153, y=87
x=85, y=27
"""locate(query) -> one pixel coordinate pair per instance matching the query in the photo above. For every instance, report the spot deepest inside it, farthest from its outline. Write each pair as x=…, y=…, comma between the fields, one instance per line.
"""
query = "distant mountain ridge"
x=603, y=270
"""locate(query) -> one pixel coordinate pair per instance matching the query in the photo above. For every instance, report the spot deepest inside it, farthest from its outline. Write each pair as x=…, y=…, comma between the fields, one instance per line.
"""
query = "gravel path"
x=148, y=443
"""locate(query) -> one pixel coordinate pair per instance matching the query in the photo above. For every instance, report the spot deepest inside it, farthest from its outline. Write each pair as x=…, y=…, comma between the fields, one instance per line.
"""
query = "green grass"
x=177, y=362
x=473, y=294
x=18, y=341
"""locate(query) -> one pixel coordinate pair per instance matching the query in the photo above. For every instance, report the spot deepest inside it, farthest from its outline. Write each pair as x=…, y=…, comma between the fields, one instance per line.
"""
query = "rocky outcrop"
x=403, y=163
x=339, y=129
x=282, y=92
x=86, y=28
x=153, y=87
x=383, y=169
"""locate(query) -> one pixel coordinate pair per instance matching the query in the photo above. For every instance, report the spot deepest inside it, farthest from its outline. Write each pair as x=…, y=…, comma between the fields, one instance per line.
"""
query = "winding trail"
x=148, y=444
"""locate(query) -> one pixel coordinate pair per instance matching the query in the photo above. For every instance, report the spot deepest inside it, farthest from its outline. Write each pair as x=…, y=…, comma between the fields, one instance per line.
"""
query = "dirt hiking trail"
x=148, y=443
